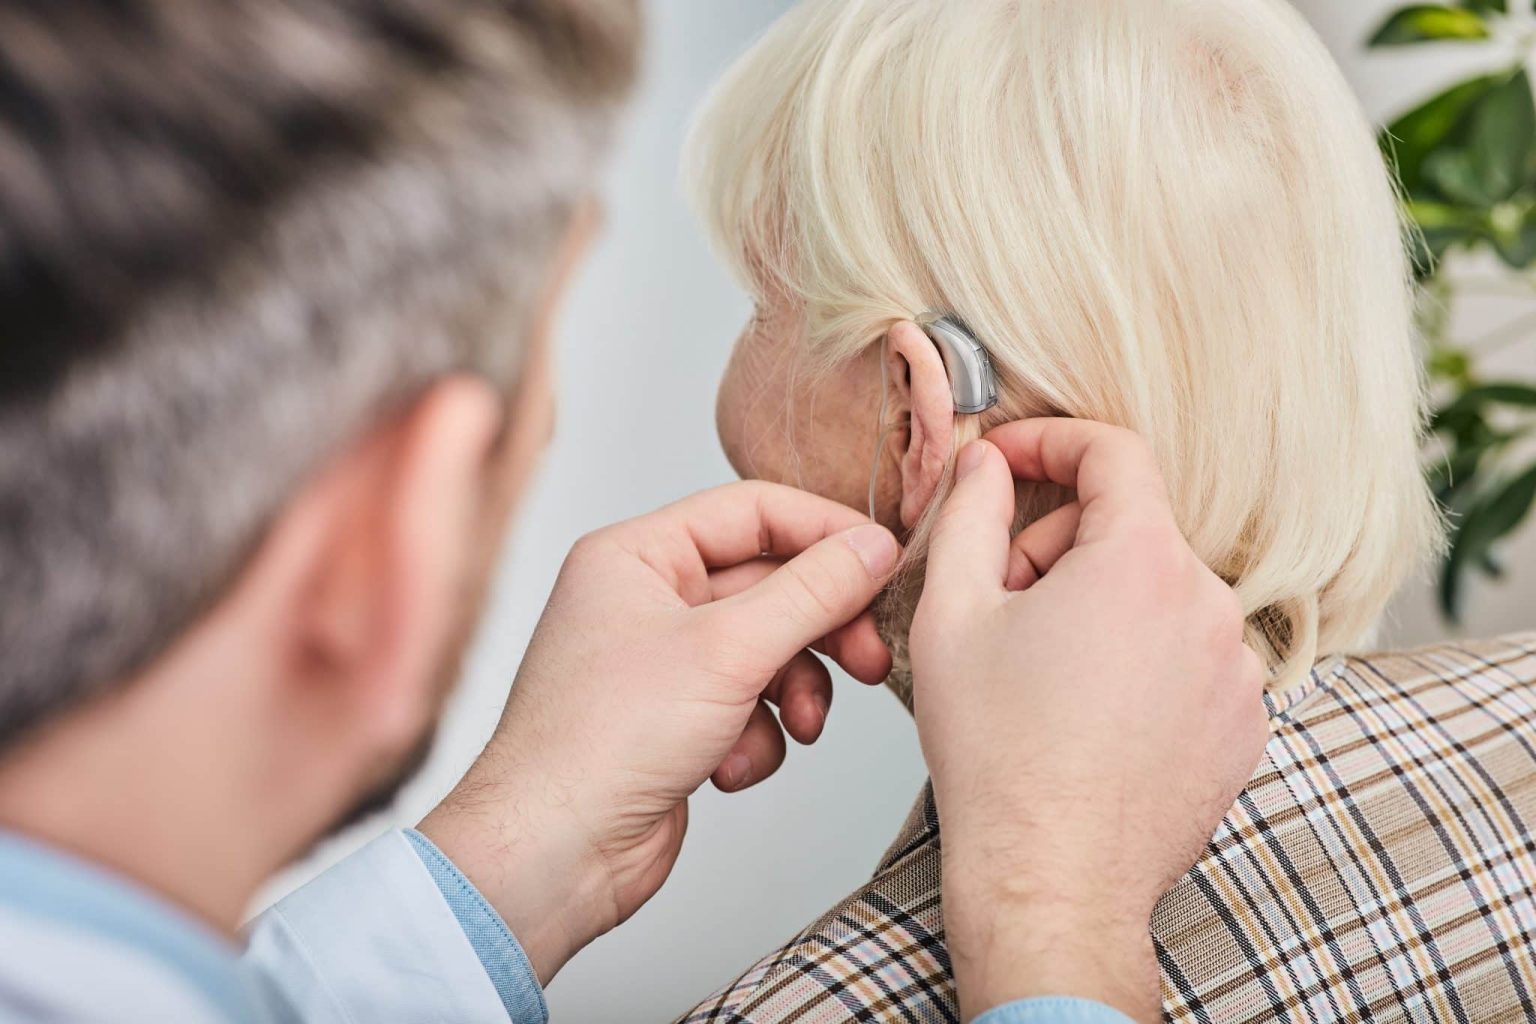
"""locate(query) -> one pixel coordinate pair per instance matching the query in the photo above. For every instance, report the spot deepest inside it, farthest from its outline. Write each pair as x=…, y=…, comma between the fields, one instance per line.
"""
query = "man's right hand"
x=1088, y=709
x=664, y=643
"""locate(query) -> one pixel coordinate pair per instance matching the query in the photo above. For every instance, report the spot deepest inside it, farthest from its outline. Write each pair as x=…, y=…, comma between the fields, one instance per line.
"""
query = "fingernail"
x=876, y=548
x=822, y=708
x=735, y=771
x=971, y=457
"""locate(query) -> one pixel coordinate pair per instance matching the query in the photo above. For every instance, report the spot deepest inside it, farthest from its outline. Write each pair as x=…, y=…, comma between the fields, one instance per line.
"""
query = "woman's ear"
x=921, y=384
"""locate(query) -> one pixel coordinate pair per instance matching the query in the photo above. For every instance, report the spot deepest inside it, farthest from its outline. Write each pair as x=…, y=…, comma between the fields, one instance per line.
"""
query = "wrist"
x=549, y=888
x=1010, y=941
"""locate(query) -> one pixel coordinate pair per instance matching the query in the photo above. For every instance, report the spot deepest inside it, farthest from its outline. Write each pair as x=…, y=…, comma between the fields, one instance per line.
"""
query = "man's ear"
x=920, y=385
x=379, y=594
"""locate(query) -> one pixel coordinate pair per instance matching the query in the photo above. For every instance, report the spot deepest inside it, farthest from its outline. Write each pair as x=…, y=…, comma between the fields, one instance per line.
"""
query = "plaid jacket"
x=1379, y=867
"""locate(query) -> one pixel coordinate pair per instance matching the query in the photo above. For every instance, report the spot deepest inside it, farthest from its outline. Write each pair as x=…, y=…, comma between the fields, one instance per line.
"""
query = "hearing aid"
x=971, y=376
x=972, y=380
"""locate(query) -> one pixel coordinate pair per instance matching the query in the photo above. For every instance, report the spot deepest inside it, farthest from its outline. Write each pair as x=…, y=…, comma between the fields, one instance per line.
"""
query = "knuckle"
x=750, y=490
x=723, y=653
x=1127, y=441
x=586, y=547
x=817, y=594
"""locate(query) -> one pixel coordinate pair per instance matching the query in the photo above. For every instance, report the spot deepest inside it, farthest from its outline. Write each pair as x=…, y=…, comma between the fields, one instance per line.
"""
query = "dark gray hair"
x=231, y=236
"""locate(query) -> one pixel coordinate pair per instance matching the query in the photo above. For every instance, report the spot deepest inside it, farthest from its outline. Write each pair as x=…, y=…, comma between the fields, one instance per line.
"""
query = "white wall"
x=644, y=342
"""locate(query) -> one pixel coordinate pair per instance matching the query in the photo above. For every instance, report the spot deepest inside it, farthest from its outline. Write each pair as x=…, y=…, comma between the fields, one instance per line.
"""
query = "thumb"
x=968, y=554
x=826, y=587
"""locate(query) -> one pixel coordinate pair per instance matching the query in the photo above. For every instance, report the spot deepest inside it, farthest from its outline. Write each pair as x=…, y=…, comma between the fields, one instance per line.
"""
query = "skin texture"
x=665, y=643
x=779, y=422
x=1059, y=764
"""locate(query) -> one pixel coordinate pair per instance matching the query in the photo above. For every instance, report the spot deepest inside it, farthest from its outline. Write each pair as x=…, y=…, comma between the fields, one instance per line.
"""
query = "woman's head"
x=1168, y=215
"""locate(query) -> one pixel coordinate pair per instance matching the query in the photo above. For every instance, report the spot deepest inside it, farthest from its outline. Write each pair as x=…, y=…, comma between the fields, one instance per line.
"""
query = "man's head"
x=1168, y=215
x=275, y=280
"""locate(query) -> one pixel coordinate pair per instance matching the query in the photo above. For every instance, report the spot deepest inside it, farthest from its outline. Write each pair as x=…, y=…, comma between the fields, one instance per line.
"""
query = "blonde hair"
x=1169, y=215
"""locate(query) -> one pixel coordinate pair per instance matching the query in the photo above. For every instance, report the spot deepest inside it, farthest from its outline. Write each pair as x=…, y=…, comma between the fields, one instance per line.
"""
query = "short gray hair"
x=231, y=236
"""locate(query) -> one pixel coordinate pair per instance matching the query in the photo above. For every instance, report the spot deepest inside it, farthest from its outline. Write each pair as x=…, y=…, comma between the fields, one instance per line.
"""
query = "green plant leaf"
x=1454, y=476
x=1443, y=226
x=1488, y=521
x=1506, y=509
x=1456, y=175
x=1503, y=136
x=1452, y=364
x=1513, y=233
x=1499, y=393
x=1442, y=120
x=1487, y=6
x=1467, y=426
x=1424, y=23
x=1447, y=216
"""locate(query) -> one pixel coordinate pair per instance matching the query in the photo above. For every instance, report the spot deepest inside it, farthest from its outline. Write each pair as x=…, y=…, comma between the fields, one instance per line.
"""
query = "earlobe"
x=919, y=379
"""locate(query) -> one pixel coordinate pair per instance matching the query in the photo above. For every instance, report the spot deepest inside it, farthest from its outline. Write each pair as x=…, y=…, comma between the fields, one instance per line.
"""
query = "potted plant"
x=1467, y=161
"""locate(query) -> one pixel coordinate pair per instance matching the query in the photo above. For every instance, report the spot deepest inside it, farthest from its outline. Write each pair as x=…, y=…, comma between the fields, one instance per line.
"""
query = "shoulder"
x=1469, y=697
x=46, y=961
x=1505, y=661
x=879, y=953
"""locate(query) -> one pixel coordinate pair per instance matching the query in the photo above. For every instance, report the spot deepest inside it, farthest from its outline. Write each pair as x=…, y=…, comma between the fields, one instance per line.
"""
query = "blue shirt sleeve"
x=498, y=950
x=1053, y=1010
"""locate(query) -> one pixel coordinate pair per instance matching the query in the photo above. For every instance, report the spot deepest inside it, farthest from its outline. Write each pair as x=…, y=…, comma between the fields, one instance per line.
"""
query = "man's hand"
x=652, y=671
x=1087, y=708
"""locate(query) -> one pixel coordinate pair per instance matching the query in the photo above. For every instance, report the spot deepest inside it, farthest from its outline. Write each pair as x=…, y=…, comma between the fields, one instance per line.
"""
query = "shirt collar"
x=45, y=882
x=1281, y=704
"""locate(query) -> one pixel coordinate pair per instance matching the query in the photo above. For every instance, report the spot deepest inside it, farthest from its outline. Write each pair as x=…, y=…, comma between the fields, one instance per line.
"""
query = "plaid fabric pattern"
x=1379, y=867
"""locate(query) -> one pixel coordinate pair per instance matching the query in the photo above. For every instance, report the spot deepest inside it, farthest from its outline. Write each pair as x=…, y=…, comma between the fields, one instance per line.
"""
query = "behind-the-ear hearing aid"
x=972, y=379
x=971, y=376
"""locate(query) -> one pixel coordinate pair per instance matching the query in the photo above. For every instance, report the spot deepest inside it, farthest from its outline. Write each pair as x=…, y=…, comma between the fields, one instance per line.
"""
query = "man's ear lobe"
x=917, y=372
x=400, y=513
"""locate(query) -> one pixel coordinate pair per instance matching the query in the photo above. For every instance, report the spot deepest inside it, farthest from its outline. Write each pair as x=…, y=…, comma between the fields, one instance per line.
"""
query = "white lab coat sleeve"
x=372, y=941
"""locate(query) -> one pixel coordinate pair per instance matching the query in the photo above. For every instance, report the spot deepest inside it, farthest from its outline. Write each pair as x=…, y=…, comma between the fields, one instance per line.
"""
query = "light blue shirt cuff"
x=498, y=950
x=1053, y=1010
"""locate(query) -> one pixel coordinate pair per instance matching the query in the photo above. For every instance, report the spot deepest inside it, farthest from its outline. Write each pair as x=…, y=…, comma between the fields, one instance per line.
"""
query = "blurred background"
x=643, y=343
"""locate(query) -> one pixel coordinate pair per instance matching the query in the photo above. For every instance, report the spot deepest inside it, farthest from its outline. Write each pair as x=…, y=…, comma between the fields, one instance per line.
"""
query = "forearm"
x=1014, y=941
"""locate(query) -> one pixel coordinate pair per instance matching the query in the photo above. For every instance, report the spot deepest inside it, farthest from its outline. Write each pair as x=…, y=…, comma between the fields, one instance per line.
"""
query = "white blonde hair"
x=1169, y=215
